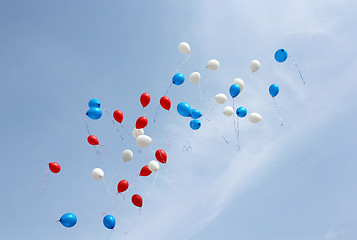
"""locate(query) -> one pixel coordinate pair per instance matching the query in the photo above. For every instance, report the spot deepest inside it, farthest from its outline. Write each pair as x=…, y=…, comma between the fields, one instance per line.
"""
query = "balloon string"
x=172, y=177
x=110, y=234
x=277, y=110
x=235, y=127
x=297, y=67
x=110, y=157
x=108, y=190
x=114, y=124
x=187, y=146
x=183, y=63
x=43, y=189
x=135, y=222
x=219, y=131
x=109, y=205
x=238, y=133
x=97, y=151
x=88, y=128
x=152, y=185
x=169, y=140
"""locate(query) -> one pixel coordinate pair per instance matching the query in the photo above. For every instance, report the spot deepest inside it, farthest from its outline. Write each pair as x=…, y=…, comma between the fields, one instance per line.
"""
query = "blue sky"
x=296, y=182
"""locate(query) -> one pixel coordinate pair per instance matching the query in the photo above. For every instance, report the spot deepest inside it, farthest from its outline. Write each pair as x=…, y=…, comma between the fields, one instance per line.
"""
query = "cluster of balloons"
x=185, y=110
x=94, y=111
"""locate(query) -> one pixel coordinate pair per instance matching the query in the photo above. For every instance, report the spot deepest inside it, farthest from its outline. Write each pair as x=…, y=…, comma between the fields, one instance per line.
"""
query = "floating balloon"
x=54, y=167
x=94, y=113
x=137, y=200
x=274, y=90
x=143, y=141
x=161, y=156
x=241, y=112
x=239, y=82
x=123, y=185
x=184, y=109
x=178, y=79
x=165, y=103
x=68, y=220
x=118, y=116
x=94, y=103
x=184, y=48
x=228, y=111
x=234, y=90
x=254, y=117
x=92, y=140
x=281, y=55
x=212, y=64
x=97, y=173
x=145, y=171
x=145, y=99
x=154, y=166
x=109, y=221
x=254, y=65
x=195, y=114
x=137, y=132
x=220, y=98
x=195, y=124
x=141, y=122
x=127, y=155
x=195, y=77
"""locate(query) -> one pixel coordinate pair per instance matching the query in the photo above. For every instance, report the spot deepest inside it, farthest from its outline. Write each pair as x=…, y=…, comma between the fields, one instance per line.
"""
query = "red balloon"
x=165, y=102
x=54, y=167
x=145, y=171
x=161, y=156
x=145, y=99
x=137, y=200
x=123, y=186
x=93, y=140
x=141, y=122
x=118, y=116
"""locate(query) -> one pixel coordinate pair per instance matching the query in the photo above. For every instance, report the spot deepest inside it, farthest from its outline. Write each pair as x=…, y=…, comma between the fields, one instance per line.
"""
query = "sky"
x=294, y=182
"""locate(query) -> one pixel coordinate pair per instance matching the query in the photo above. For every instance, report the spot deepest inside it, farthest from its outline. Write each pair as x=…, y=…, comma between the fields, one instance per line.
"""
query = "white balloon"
x=143, y=140
x=154, y=166
x=239, y=82
x=254, y=117
x=97, y=173
x=127, y=155
x=212, y=64
x=220, y=98
x=228, y=111
x=184, y=48
x=254, y=65
x=137, y=132
x=195, y=77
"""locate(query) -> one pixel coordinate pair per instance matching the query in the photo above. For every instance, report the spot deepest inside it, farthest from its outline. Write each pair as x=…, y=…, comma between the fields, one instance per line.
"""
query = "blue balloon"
x=68, y=220
x=234, y=90
x=109, y=221
x=94, y=113
x=178, y=79
x=196, y=114
x=94, y=103
x=184, y=109
x=274, y=90
x=195, y=124
x=241, y=112
x=281, y=55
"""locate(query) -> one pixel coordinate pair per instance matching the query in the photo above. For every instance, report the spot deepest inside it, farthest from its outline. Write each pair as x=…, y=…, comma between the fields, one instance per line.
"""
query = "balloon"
x=97, y=173
x=109, y=221
x=123, y=185
x=54, y=167
x=145, y=99
x=281, y=55
x=274, y=90
x=165, y=103
x=212, y=64
x=195, y=114
x=184, y=48
x=141, y=122
x=254, y=117
x=178, y=79
x=161, y=156
x=154, y=166
x=68, y=220
x=184, y=109
x=137, y=200
x=137, y=132
x=195, y=77
x=118, y=116
x=241, y=112
x=92, y=140
x=94, y=103
x=94, y=113
x=127, y=155
x=228, y=111
x=220, y=98
x=254, y=65
x=239, y=82
x=143, y=141
x=234, y=90
x=195, y=124
x=145, y=171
